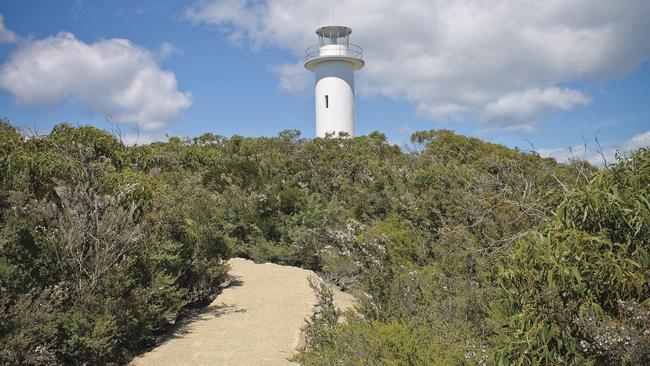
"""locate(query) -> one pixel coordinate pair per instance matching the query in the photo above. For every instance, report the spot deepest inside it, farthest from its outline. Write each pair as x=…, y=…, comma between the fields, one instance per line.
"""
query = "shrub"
x=573, y=275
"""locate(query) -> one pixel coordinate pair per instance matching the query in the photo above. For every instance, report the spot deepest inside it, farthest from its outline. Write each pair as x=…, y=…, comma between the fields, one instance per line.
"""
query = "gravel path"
x=255, y=321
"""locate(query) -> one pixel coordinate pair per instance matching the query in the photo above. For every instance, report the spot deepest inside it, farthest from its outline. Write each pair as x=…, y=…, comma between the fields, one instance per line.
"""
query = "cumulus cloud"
x=597, y=155
x=292, y=77
x=113, y=78
x=501, y=62
x=515, y=111
x=6, y=35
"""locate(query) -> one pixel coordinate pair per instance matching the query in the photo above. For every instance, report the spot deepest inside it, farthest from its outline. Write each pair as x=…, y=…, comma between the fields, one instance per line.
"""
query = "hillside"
x=459, y=251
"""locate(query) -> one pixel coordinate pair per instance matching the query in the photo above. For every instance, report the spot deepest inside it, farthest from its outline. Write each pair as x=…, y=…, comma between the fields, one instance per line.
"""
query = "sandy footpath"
x=255, y=321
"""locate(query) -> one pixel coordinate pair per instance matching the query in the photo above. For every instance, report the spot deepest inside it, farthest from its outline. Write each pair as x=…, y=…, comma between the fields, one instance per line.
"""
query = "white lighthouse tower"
x=334, y=61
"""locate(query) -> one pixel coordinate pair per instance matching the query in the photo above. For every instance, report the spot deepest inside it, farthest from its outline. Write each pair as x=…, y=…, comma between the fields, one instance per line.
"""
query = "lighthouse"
x=334, y=60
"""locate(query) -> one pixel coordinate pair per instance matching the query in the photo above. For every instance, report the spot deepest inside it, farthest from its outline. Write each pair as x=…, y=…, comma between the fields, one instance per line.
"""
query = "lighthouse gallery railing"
x=350, y=50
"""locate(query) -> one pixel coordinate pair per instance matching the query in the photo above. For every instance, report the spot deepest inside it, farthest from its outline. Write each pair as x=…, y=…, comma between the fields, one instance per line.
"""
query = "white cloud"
x=293, y=77
x=638, y=141
x=500, y=61
x=595, y=154
x=167, y=49
x=135, y=138
x=6, y=35
x=521, y=110
x=112, y=78
x=565, y=154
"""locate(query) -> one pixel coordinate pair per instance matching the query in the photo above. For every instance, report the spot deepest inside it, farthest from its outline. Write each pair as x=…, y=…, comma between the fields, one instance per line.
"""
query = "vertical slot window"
x=327, y=101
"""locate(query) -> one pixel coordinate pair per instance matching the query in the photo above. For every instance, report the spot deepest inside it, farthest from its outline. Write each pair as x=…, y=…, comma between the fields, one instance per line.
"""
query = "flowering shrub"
x=623, y=340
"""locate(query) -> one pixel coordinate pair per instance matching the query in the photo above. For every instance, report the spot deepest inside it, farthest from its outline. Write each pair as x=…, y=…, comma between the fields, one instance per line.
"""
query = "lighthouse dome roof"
x=334, y=30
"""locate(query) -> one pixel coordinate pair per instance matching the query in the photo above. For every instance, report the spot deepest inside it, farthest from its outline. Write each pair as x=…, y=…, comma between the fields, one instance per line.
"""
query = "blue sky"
x=555, y=73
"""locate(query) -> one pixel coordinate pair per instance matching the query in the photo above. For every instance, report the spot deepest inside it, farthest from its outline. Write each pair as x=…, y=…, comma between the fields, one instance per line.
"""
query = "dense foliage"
x=574, y=288
x=571, y=285
x=460, y=251
x=97, y=253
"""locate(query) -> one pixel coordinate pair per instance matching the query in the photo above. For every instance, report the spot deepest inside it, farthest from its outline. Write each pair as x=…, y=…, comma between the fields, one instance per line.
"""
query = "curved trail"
x=256, y=320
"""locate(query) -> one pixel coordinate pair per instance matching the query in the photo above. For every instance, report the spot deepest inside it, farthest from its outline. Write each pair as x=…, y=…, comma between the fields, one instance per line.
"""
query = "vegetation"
x=578, y=290
x=460, y=251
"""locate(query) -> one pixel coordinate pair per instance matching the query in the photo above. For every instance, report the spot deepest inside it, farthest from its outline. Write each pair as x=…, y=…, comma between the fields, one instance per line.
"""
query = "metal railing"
x=350, y=50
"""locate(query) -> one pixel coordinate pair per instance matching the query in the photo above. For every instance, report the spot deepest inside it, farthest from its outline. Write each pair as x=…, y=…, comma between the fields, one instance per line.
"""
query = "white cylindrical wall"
x=334, y=98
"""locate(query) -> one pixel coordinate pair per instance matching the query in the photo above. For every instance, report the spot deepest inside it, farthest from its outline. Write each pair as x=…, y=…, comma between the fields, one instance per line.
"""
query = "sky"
x=566, y=78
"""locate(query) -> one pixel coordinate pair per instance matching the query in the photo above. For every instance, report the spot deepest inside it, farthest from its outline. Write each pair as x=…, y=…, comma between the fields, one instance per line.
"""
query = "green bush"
x=357, y=341
x=576, y=271
x=96, y=257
